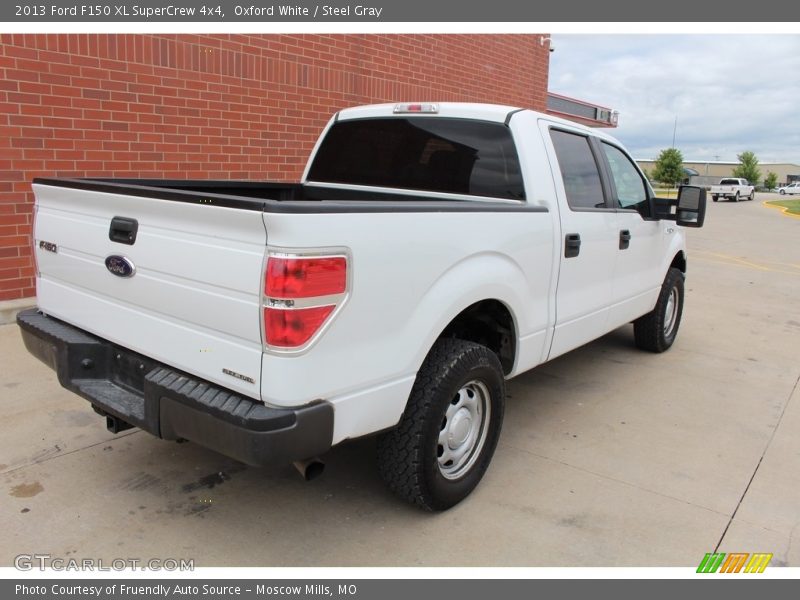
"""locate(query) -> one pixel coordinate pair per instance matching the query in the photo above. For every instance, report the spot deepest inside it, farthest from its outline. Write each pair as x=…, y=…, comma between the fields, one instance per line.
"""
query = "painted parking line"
x=720, y=258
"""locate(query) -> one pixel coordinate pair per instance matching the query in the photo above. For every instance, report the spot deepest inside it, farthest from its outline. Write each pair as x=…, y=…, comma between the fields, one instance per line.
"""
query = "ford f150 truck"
x=733, y=189
x=429, y=253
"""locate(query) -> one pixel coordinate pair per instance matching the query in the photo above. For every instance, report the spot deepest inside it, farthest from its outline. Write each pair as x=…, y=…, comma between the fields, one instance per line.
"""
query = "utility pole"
x=674, y=130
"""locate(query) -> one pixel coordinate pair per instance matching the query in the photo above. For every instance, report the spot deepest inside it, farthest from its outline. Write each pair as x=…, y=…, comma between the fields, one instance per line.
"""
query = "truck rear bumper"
x=130, y=389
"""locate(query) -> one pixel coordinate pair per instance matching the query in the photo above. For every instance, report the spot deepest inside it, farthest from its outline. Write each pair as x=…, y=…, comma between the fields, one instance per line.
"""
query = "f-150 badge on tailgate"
x=120, y=266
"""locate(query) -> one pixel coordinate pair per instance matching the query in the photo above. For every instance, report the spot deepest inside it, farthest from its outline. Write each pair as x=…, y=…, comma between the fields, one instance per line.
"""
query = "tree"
x=771, y=180
x=748, y=167
x=669, y=167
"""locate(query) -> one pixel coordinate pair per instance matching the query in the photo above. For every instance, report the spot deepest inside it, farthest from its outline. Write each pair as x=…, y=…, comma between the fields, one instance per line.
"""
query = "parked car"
x=391, y=291
x=792, y=188
x=733, y=188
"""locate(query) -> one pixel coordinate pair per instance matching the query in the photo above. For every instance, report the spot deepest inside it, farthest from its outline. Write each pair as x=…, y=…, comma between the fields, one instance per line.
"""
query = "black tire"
x=715, y=198
x=782, y=192
x=752, y=196
x=736, y=197
x=653, y=331
x=409, y=455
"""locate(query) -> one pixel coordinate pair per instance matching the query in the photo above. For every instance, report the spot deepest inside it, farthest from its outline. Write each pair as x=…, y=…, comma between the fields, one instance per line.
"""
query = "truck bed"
x=289, y=197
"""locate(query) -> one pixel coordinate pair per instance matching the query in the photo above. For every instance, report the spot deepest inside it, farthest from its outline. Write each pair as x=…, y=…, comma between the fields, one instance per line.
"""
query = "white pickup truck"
x=430, y=252
x=733, y=188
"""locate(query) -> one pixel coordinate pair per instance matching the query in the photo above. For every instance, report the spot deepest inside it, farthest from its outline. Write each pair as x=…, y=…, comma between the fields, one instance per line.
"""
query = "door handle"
x=572, y=245
x=624, y=239
x=123, y=230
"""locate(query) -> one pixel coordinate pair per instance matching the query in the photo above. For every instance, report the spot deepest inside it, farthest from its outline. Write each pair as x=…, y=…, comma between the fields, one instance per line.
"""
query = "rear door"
x=589, y=239
x=186, y=291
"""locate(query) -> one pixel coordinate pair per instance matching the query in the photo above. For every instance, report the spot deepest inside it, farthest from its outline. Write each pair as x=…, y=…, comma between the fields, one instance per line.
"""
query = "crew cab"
x=733, y=188
x=430, y=253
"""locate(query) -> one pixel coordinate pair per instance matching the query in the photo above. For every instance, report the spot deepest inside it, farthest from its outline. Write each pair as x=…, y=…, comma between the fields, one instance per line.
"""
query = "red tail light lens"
x=305, y=277
x=301, y=292
x=288, y=328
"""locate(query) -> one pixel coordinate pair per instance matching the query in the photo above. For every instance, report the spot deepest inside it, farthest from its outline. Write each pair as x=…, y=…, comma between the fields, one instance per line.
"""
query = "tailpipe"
x=309, y=469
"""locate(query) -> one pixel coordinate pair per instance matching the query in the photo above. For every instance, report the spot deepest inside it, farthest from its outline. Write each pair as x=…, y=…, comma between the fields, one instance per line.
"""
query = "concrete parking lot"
x=609, y=456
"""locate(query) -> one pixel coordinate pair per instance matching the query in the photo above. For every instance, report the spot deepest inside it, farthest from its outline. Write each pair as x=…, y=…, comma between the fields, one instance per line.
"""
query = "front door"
x=638, y=273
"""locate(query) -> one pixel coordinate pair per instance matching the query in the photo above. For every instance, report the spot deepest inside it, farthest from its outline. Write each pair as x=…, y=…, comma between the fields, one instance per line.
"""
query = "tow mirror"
x=691, y=209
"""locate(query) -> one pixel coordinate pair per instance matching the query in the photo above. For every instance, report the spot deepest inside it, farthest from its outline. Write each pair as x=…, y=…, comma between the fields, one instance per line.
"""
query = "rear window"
x=476, y=158
x=729, y=182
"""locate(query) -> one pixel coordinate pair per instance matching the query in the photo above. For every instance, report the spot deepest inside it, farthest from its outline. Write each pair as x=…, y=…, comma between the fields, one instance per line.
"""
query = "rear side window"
x=578, y=170
x=476, y=158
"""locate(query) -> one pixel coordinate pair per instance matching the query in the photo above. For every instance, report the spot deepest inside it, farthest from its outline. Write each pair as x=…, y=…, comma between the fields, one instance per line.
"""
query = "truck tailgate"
x=193, y=299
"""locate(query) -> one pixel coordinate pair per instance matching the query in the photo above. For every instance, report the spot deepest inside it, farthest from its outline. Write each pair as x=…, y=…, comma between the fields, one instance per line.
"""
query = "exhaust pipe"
x=309, y=469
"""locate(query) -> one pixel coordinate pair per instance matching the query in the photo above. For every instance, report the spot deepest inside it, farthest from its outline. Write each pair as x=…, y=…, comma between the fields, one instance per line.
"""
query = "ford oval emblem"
x=120, y=266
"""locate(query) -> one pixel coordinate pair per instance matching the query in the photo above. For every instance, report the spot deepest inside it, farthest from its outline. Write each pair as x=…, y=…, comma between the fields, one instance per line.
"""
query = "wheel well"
x=679, y=262
x=489, y=323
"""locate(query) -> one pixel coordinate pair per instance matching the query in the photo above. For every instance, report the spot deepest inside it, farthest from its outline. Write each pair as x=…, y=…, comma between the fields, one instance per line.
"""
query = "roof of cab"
x=458, y=110
x=464, y=110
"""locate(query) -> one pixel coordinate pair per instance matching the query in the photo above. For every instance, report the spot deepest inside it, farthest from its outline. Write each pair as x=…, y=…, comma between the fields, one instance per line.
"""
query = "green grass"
x=791, y=206
x=662, y=192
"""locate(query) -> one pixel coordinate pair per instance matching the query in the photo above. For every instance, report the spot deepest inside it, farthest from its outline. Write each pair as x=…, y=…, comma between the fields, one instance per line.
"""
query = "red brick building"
x=216, y=106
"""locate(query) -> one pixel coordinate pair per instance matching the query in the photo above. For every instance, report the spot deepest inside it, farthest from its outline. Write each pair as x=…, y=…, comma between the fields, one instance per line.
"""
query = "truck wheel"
x=752, y=196
x=446, y=438
x=715, y=198
x=656, y=330
x=736, y=197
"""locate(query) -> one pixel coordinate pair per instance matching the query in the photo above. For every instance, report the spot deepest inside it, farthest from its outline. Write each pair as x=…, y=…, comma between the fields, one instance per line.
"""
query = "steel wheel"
x=656, y=331
x=444, y=442
x=463, y=432
x=671, y=312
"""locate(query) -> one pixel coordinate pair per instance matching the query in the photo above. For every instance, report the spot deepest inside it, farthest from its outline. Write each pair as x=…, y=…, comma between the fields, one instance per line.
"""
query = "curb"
x=784, y=209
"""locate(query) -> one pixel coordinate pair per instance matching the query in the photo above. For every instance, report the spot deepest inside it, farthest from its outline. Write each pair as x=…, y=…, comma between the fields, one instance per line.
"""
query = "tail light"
x=301, y=295
x=305, y=277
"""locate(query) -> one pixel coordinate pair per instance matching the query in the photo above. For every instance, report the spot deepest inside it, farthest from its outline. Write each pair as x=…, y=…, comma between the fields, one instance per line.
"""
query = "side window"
x=578, y=170
x=631, y=189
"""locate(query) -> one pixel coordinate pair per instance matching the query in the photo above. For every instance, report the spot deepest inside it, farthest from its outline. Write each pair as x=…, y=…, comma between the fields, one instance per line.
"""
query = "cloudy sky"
x=729, y=93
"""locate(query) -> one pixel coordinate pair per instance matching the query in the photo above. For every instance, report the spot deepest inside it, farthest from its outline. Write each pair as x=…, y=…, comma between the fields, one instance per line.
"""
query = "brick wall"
x=221, y=106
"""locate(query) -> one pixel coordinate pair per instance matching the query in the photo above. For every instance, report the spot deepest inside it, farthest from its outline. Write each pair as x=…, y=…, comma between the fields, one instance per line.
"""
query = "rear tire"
x=446, y=438
x=715, y=198
x=782, y=192
x=656, y=331
x=736, y=197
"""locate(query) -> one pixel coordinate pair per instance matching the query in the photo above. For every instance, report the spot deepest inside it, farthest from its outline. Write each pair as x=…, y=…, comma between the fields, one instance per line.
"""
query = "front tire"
x=752, y=196
x=448, y=433
x=656, y=331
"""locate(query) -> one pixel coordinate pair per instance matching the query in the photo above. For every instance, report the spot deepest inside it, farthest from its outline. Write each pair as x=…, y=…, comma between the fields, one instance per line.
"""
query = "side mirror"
x=691, y=206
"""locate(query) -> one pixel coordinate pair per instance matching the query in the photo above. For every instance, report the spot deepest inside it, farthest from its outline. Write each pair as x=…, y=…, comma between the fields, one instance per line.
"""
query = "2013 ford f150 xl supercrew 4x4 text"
x=430, y=252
